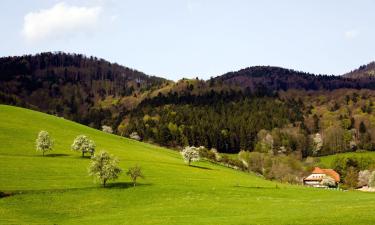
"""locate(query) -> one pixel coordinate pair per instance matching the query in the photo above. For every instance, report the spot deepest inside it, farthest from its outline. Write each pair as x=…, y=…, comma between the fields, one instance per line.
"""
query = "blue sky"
x=189, y=38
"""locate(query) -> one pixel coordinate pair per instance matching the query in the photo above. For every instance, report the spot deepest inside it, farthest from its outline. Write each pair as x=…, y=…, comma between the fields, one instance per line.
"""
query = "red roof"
x=333, y=174
x=317, y=170
x=329, y=172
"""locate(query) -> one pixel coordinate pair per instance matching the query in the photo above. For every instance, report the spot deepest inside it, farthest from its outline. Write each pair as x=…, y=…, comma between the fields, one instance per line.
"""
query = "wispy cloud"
x=62, y=20
x=351, y=34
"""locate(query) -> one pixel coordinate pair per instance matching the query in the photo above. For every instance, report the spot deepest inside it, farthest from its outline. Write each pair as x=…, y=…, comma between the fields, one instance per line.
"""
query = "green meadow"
x=326, y=161
x=56, y=189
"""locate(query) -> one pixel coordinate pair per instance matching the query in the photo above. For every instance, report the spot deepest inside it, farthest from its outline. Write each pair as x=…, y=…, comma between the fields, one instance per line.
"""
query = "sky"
x=196, y=38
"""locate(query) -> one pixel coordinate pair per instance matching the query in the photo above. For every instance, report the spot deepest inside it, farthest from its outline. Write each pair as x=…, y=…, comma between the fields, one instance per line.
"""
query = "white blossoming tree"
x=44, y=142
x=364, y=178
x=317, y=143
x=104, y=167
x=135, y=136
x=107, y=129
x=190, y=154
x=83, y=144
x=328, y=181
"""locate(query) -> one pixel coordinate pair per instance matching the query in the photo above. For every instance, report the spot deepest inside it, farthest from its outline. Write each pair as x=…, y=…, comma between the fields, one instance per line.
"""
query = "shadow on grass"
x=119, y=185
x=256, y=187
x=201, y=167
x=124, y=185
x=56, y=155
x=5, y=194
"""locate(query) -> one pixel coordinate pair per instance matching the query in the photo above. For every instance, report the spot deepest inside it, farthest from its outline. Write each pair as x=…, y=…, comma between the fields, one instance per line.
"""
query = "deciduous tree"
x=44, y=142
x=83, y=144
x=104, y=167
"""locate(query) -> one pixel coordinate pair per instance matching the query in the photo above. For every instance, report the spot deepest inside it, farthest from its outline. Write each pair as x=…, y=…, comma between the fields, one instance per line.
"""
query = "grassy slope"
x=326, y=161
x=58, y=190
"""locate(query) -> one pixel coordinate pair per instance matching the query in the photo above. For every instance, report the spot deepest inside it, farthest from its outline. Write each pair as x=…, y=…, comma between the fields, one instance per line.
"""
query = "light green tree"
x=83, y=144
x=104, y=167
x=134, y=173
x=44, y=142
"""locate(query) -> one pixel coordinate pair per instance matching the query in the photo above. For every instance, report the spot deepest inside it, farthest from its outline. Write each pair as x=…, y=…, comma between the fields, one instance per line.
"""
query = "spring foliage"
x=104, y=167
x=44, y=142
x=134, y=173
x=190, y=154
x=83, y=144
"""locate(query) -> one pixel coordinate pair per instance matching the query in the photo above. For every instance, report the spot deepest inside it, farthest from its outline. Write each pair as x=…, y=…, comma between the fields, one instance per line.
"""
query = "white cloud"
x=61, y=20
x=351, y=34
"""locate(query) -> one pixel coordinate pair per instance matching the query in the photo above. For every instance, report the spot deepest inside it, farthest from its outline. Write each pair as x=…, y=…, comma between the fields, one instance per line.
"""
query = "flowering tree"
x=107, y=129
x=190, y=154
x=134, y=173
x=104, y=167
x=135, y=136
x=317, y=143
x=364, y=178
x=328, y=181
x=44, y=142
x=83, y=144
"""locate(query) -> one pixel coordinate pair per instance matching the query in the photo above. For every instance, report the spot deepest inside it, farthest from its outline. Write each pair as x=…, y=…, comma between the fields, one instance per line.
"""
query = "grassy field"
x=57, y=190
x=326, y=161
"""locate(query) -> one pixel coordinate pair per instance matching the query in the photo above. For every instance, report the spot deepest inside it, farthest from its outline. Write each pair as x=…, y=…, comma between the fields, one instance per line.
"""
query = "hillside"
x=228, y=112
x=70, y=85
x=56, y=189
x=363, y=72
x=270, y=79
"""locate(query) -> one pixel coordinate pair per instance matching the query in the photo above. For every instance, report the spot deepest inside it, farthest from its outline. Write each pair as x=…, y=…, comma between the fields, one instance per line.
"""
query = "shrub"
x=44, y=142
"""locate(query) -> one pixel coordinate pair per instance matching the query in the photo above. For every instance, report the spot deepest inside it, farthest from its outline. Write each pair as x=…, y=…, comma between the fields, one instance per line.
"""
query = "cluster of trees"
x=226, y=126
x=284, y=168
x=355, y=171
x=103, y=167
x=70, y=85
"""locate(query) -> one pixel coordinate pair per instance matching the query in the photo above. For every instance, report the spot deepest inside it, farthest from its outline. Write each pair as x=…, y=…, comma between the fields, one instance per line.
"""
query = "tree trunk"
x=189, y=162
x=83, y=154
x=134, y=182
x=43, y=153
x=104, y=181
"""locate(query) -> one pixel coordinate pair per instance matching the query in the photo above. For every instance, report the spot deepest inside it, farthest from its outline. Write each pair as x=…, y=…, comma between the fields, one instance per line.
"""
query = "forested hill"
x=68, y=85
x=276, y=78
x=363, y=72
x=262, y=108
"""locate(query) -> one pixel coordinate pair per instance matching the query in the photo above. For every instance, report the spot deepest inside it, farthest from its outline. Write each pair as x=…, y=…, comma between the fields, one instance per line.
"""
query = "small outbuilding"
x=322, y=178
